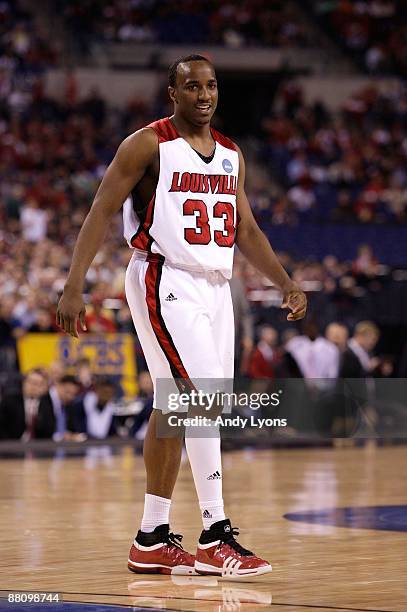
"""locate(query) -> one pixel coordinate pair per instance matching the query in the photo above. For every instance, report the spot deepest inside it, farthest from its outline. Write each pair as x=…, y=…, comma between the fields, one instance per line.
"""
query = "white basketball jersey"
x=192, y=217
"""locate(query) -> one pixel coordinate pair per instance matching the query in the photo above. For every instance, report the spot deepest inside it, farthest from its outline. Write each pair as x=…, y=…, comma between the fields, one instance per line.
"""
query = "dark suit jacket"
x=350, y=366
x=352, y=380
x=12, y=418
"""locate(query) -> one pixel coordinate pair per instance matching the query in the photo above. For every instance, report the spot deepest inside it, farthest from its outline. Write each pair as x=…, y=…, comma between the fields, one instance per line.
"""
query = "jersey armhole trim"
x=142, y=239
x=223, y=140
x=164, y=129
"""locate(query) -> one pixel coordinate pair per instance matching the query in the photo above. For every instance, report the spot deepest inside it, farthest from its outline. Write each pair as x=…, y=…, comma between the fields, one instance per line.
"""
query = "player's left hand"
x=296, y=300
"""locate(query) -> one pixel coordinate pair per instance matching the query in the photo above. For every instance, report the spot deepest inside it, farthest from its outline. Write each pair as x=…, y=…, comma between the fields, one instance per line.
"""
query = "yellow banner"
x=109, y=354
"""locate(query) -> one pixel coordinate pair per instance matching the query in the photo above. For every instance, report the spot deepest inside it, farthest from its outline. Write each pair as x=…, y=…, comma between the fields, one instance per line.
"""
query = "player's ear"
x=172, y=94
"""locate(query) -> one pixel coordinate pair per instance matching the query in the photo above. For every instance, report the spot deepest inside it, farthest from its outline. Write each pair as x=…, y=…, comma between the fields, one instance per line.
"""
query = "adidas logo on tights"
x=215, y=476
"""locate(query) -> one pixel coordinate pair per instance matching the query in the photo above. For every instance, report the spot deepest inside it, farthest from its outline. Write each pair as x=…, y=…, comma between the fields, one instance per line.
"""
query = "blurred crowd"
x=50, y=403
x=52, y=158
x=345, y=167
x=25, y=49
x=312, y=354
x=320, y=166
x=60, y=406
x=339, y=297
x=234, y=24
x=373, y=32
x=53, y=154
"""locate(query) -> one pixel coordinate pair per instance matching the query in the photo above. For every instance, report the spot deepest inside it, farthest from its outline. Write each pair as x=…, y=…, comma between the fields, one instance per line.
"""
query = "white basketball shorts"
x=184, y=320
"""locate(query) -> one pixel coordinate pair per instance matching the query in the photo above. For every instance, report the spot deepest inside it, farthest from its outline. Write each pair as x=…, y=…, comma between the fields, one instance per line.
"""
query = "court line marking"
x=274, y=603
x=328, y=607
x=129, y=606
x=234, y=582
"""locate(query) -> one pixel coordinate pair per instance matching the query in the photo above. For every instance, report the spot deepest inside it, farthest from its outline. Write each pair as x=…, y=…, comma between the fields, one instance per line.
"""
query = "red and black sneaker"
x=219, y=554
x=160, y=552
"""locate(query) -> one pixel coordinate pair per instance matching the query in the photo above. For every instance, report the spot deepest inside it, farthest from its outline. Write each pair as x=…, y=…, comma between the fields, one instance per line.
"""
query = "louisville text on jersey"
x=225, y=184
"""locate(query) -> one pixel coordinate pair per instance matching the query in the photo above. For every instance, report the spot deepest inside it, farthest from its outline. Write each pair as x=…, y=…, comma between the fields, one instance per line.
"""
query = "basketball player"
x=188, y=185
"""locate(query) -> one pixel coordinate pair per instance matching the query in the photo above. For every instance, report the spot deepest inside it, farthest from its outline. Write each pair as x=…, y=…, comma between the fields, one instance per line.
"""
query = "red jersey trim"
x=142, y=239
x=223, y=140
x=164, y=129
x=164, y=338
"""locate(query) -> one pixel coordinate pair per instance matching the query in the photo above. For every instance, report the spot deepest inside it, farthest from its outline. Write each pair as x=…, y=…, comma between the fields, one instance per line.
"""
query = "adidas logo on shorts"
x=170, y=297
x=215, y=476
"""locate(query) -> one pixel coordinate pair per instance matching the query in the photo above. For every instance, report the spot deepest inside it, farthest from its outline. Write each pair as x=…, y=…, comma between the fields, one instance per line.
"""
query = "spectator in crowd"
x=28, y=415
x=84, y=374
x=55, y=371
x=98, y=319
x=264, y=355
x=285, y=365
x=62, y=395
x=358, y=368
x=338, y=334
x=96, y=410
x=124, y=321
x=8, y=333
x=316, y=356
x=357, y=361
x=43, y=323
x=343, y=213
x=365, y=263
x=302, y=195
x=33, y=221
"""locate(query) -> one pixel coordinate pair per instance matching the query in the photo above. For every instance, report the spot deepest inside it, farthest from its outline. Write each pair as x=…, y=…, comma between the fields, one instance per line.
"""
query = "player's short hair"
x=172, y=70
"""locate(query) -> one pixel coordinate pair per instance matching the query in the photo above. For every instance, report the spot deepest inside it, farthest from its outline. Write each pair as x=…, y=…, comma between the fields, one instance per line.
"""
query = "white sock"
x=205, y=459
x=211, y=512
x=156, y=512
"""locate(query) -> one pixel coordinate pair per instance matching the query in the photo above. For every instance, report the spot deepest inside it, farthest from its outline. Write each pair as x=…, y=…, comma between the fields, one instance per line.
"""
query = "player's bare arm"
x=258, y=251
x=133, y=157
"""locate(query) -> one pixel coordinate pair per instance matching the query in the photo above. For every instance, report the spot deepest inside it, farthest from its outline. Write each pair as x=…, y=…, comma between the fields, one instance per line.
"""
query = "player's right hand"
x=296, y=300
x=71, y=308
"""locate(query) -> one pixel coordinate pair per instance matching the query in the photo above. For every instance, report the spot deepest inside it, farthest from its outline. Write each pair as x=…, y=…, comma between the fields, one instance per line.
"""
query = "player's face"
x=196, y=92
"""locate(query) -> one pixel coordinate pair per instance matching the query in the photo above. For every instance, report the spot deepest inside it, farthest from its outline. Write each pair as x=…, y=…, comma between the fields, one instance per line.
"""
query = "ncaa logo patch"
x=227, y=165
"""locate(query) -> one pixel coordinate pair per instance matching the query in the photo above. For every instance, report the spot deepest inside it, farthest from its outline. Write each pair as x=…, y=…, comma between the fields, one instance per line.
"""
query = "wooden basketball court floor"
x=66, y=525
